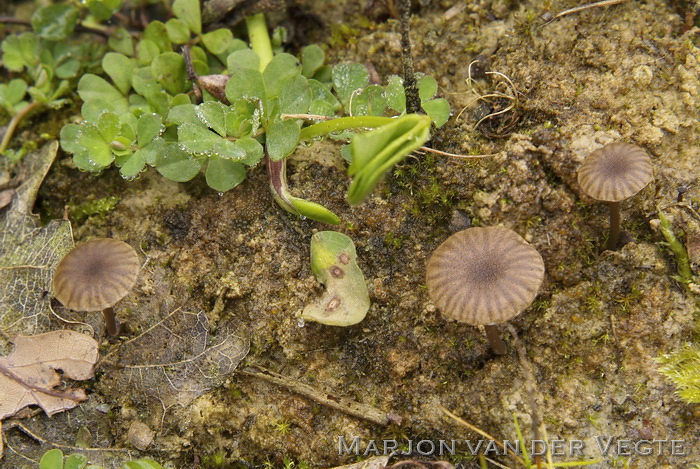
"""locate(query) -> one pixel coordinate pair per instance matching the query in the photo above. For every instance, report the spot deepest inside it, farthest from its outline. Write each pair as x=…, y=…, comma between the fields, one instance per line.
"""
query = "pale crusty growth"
x=483, y=276
x=615, y=172
x=96, y=275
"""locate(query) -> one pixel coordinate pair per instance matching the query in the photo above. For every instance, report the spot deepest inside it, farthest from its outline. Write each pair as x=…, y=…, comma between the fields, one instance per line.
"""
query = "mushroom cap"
x=615, y=172
x=96, y=275
x=484, y=275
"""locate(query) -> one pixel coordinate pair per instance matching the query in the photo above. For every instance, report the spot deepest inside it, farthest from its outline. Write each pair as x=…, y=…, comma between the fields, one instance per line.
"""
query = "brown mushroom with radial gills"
x=612, y=174
x=484, y=276
x=95, y=276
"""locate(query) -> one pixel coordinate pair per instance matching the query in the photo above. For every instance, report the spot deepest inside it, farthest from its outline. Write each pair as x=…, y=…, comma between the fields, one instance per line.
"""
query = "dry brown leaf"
x=28, y=375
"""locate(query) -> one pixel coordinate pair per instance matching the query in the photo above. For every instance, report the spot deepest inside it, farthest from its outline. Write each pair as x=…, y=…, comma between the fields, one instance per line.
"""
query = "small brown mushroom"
x=484, y=276
x=95, y=276
x=612, y=174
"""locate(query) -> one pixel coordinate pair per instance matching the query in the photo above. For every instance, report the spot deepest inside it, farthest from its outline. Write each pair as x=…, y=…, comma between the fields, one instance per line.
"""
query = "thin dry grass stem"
x=453, y=155
x=482, y=433
x=508, y=92
x=581, y=8
x=314, y=117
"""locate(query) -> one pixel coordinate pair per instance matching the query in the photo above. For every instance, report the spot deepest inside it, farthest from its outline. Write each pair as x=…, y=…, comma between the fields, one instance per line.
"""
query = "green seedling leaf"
x=55, y=22
x=218, y=41
x=20, y=51
x=120, y=69
x=68, y=69
x=282, y=138
x=370, y=102
x=183, y=113
x=134, y=165
x=323, y=102
x=244, y=58
x=438, y=110
x=146, y=51
x=52, y=459
x=11, y=94
x=120, y=41
x=348, y=79
x=281, y=68
x=314, y=211
x=75, y=461
x=295, y=96
x=376, y=152
x=146, y=463
x=178, y=32
x=93, y=109
x=427, y=87
x=197, y=139
x=189, y=12
x=158, y=33
x=169, y=70
x=213, y=115
x=312, y=58
x=224, y=174
x=176, y=164
x=103, y=9
x=69, y=138
x=247, y=84
x=253, y=150
x=395, y=94
x=334, y=263
x=109, y=126
x=97, y=149
x=91, y=87
x=148, y=128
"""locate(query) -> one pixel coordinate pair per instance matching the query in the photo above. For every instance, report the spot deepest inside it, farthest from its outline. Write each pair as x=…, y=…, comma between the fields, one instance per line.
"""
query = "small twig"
x=14, y=122
x=44, y=441
x=455, y=155
x=571, y=11
x=409, y=79
x=328, y=399
x=482, y=433
x=308, y=117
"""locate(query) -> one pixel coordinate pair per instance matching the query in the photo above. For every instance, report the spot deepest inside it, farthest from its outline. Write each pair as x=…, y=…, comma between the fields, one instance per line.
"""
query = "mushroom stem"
x=497, y=344
x=614, y=226
x=111, y=321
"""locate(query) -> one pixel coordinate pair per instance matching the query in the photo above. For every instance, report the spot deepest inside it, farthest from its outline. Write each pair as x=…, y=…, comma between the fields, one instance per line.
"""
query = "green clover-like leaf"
x=295, y=96
x=395, y=94
x=282, y=138
x=348, y=79
x=158, y=33
x=190, y=13
x=120, y=69
x=178, y=32
x=148, y=128
x=169, y=70
x=281, y=68
x=55, y=22
x=213, y=115
x=243, y=58
x=312, y=58
x=247, y=84
x=176, y=164
x=438, y=109
x=223, y=174
x=120, y=41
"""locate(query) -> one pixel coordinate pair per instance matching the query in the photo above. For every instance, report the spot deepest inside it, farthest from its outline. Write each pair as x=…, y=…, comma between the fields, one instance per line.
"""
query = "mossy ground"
x=627, y=72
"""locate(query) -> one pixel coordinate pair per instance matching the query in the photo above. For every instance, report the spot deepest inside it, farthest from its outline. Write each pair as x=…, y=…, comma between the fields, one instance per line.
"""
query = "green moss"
x=92, y=208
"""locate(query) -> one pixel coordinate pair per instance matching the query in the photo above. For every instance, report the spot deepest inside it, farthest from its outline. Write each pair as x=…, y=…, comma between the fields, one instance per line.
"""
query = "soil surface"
x=236, y=265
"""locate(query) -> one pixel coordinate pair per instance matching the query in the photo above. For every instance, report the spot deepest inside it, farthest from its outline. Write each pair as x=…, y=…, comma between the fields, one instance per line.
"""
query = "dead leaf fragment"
x=28, y=375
